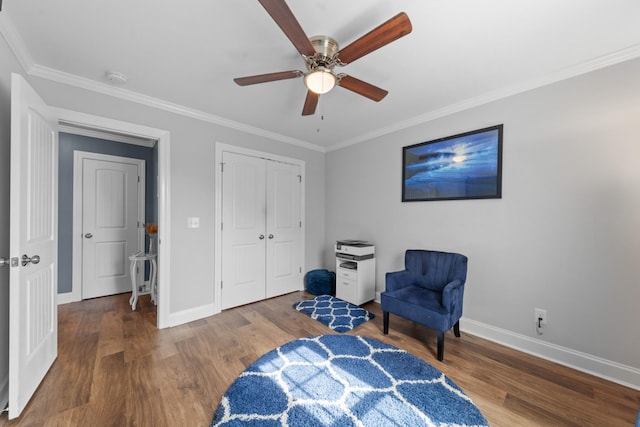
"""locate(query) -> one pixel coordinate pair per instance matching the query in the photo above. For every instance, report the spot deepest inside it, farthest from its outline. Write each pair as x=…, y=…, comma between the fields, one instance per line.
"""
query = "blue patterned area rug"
x=339, y=315
x=344, y=380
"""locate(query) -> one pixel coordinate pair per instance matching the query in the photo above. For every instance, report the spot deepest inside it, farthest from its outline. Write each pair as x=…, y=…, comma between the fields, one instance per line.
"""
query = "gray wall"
x=565, y=235
x=68, y=143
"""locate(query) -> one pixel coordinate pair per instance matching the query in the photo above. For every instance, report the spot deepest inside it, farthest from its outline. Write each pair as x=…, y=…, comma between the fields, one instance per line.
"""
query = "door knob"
x=88, y=235
x=33, y=260
x=4, y=262
x=271, y=236
x=261, y=237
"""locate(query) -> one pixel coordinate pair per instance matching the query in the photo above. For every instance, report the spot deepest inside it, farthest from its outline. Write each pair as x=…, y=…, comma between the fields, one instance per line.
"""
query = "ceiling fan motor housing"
x=326, y=48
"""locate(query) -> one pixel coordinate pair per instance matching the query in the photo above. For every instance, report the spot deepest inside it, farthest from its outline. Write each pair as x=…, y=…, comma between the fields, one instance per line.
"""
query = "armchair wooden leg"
x=385, y=322
x=441, y=346
x=456, y=329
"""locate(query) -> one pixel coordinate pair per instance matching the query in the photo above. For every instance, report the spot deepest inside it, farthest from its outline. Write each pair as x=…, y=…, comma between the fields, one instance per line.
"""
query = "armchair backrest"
x=434, y=269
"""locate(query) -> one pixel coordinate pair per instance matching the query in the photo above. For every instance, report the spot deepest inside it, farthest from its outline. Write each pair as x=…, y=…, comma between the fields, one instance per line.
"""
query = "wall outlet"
x=540, y=313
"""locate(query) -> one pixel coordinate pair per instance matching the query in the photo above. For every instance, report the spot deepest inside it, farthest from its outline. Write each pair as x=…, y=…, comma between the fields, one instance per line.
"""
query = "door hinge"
x=221, y=166
x=222, y=226
x=300, y=178
x=221, y=284
x=300, y=224
x=300, y=269
x=138, y=178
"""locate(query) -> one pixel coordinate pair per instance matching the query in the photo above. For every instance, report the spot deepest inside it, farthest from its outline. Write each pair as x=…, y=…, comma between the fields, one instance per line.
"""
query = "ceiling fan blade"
x=391, y=30
x=363, y=88
x=270, y=77
x=310, y=103
x=289, y=25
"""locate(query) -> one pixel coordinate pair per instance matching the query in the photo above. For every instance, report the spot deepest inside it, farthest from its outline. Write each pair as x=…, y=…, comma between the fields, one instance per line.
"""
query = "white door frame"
x=78, y=157
x=217, y=266
x=164, y=233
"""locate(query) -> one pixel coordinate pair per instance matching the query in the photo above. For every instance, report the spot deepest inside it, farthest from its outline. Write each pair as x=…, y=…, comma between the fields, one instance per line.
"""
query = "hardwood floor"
x=114, y=368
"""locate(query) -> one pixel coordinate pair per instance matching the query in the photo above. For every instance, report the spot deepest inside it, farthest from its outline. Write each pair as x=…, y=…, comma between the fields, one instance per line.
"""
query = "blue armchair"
x=428, y=291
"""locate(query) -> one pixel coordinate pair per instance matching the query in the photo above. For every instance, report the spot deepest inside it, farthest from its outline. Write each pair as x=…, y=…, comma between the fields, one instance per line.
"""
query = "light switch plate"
x=193, y=222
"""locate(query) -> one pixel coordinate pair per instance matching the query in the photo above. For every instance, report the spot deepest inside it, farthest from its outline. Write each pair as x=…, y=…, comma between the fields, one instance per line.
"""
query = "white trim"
x=67, y=297
x=191, y=314
x=627, y=54
x=217, y=266
x=15, y=42
x=149, y=101
x=18, y=47
x=627, y=376
x=78, y=158
x=109, y=136
x=164, y=194
x=163, y=186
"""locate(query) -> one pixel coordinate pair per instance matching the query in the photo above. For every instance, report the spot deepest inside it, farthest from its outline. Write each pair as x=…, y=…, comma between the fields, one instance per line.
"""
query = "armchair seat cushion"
x=418, y=304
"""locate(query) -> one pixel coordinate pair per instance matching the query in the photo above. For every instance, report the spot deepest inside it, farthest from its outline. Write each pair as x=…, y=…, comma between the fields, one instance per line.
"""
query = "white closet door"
x=243, y=230
x=283, y=269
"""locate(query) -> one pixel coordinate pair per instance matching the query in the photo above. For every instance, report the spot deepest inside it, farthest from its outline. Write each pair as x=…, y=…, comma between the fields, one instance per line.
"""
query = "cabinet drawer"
x=346, y=290
x=345, y=273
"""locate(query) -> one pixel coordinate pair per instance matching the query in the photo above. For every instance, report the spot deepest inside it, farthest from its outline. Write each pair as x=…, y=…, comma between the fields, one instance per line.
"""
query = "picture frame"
x=459, y=167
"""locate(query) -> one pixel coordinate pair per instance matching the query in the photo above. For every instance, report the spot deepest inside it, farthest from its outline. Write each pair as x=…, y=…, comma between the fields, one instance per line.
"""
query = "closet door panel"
x=283, y=224
x=243, y=230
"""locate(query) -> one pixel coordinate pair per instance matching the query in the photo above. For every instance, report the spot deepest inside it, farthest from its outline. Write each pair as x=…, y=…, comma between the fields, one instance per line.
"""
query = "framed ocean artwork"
x=463, y=166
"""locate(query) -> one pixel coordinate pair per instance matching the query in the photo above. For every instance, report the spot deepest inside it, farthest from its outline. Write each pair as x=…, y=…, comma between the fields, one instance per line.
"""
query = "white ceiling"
x=183, y=56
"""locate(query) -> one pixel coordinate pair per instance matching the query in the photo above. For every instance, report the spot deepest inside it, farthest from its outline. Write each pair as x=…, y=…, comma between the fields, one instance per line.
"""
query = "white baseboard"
x=67, y=297
x=612, y=371
x=190, y=315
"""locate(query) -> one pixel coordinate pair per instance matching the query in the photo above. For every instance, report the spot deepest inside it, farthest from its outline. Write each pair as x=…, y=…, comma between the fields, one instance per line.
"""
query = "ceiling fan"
x=321, y=55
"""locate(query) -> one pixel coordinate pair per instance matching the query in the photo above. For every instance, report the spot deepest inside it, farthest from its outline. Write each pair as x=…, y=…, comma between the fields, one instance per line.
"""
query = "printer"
x=356, y=250
x=355, y=271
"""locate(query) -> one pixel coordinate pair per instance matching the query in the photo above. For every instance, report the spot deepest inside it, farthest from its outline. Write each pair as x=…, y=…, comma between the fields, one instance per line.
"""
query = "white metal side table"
x=138, y=289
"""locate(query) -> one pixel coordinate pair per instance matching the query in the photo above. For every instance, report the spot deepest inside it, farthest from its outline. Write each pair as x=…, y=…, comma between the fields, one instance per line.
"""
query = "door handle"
x=88, y=235
x=261, y=237
x=4, y=262
x=271, y=236
x=33, y=260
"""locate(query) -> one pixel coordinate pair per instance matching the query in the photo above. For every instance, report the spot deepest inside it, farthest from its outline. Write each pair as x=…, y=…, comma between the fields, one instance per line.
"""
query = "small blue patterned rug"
x=341, y=316
x=344, y=380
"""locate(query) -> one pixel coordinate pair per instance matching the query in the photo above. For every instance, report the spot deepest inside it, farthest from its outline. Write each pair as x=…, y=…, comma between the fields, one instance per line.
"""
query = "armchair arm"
x=452, y=296
x=397, y=279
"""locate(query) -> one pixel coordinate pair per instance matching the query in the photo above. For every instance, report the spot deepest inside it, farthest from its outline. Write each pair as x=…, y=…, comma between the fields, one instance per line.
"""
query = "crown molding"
x=149, y=101
x=17, y=45
x=26, y=61
x=13, y=39
x=627, y=54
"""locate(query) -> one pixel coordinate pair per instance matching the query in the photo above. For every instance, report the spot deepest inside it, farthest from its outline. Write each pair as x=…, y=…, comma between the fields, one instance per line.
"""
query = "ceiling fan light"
x=320, y=80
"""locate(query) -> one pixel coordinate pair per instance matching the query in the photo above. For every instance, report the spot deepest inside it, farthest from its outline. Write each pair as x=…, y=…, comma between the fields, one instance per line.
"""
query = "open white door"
x=33, y=313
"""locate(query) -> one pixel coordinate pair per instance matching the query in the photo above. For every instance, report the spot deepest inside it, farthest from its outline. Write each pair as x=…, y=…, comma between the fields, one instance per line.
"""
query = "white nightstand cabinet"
x=355, y=276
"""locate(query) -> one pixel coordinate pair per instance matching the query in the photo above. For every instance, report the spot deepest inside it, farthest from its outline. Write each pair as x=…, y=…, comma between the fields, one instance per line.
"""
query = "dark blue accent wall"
x=68, y=143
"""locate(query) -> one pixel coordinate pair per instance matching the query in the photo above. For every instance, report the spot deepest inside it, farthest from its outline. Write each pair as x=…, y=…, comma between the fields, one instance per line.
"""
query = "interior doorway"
x=86, y=124
x=94, y=247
